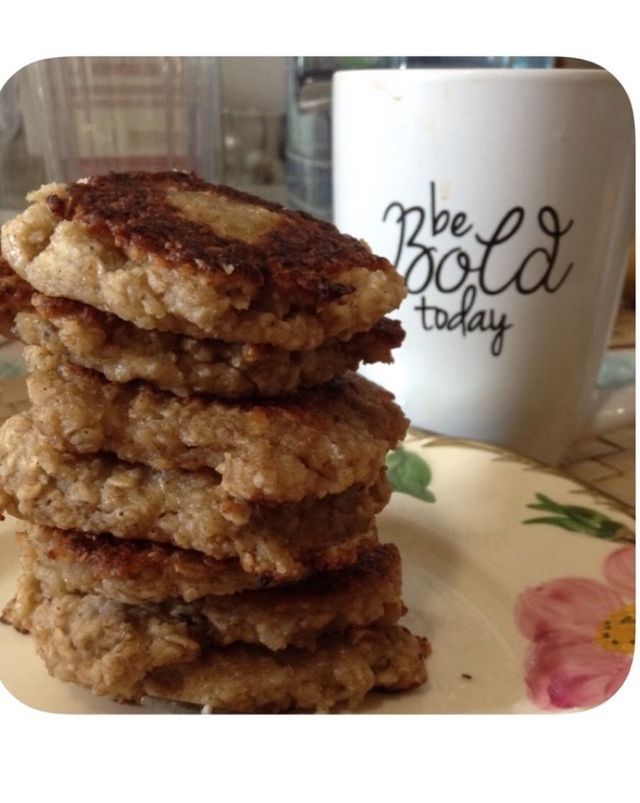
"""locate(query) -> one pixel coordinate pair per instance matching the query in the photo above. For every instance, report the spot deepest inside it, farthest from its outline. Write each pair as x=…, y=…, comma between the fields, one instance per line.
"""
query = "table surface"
x=606, y=462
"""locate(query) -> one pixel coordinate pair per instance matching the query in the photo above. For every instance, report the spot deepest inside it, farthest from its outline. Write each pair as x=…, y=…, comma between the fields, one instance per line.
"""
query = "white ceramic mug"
x=505, y=199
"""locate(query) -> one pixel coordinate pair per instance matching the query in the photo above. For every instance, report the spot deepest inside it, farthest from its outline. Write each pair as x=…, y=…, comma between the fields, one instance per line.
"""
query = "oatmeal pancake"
x=170, y=252
x=365, y=593
x=97, y=642
x=318, y=441
x=131, y=571
x=189, y=509
x=340, y=672
x=15, y=295
x=183, y=365
x=127, y=652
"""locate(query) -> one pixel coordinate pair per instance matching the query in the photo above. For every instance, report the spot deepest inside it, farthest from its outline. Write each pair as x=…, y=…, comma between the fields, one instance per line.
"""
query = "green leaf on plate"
x=558, y=521
x=409, y=474
x=579, y=519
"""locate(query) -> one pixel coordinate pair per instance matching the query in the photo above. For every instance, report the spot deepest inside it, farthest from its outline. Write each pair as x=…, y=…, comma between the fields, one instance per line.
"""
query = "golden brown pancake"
x=126, y=652
x=168, y=251
x=362, y=594
x=183, y=365
x=318, y=441
x=129, y=570
x=189, y=509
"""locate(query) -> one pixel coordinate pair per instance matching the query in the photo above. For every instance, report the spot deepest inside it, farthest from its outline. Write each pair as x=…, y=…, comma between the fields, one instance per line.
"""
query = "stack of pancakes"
x=200, y=469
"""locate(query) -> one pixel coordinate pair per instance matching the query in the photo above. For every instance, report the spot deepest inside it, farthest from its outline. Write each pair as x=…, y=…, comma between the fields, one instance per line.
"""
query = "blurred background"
x=262, y=124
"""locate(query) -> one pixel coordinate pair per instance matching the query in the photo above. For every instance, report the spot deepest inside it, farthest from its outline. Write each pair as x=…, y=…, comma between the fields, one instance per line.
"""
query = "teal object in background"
x=618, y=368
x=11, y=362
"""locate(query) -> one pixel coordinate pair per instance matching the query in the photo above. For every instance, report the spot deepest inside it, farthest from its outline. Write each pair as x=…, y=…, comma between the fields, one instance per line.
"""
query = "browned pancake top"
x=123, y=557
x=108, y=555
x=233, y=239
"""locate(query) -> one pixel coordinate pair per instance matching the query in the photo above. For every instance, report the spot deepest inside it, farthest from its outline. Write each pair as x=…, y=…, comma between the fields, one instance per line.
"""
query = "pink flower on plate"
x=583, y=635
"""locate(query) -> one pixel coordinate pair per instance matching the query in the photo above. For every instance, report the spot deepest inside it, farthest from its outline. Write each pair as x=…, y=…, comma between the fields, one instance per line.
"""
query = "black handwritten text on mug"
x=427, y=267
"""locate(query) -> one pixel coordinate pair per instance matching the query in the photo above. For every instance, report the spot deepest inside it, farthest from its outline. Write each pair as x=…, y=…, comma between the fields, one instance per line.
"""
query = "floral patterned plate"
x=522, y=579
